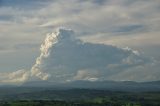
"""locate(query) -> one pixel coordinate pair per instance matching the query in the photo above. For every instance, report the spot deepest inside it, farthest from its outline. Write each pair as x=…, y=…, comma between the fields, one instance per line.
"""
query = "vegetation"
x=90, y=98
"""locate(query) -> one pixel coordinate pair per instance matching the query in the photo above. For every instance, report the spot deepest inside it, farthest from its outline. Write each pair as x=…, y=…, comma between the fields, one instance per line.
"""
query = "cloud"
x=90, y=75
x=149, y=72
x=14, y=77
x=23, y=4
x=63, y=57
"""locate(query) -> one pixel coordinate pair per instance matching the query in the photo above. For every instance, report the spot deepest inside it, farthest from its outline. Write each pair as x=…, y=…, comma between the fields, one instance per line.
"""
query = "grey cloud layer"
x=89, y=18
x=123, y=17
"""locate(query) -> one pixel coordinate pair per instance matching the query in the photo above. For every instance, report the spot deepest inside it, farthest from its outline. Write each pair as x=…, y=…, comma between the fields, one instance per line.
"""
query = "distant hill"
x=100, y=85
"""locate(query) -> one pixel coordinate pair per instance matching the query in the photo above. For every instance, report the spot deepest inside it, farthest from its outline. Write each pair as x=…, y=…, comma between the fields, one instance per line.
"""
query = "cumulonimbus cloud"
x=65, y=58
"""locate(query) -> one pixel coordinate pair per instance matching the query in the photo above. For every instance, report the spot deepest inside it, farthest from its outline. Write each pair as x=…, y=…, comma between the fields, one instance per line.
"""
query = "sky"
x=127, y=30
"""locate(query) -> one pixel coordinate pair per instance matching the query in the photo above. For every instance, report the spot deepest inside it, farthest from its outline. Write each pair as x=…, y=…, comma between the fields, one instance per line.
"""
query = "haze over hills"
x=77, y=90
x=101, y=85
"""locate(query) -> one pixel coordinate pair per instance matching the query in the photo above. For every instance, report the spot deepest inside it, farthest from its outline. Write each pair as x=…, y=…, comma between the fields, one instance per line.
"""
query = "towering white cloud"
x=45, y=52
x=63, y=58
